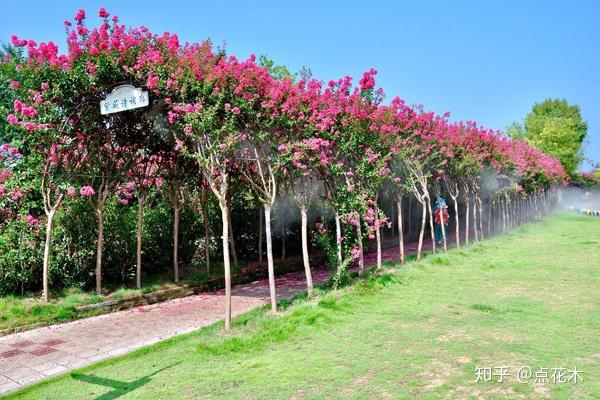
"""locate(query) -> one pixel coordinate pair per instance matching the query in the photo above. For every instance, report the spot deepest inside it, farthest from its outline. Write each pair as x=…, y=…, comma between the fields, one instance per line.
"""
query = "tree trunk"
x=475, y=233
x=305, y=258
x=226, y=263
x=361, y=256
x=467, y=216
x=505, y=221
x=456, y=221
x=338, y=237
x=176, y=243
x=100, y=245
x=260, y=235
x=489, y=221
x=400, y=228
x=378, y=239
x=422, y=232
x=480, y=203
x=138, y=252
x=47, y=247
x=428, y=200
x=270, y=266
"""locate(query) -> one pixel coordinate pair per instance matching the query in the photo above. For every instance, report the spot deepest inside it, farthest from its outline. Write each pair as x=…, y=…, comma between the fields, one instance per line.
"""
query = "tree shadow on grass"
x=120, y=388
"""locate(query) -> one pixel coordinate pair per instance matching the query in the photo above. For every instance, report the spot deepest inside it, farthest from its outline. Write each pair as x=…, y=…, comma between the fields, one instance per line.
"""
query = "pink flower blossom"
x=87, y=191
x=71, y=191
x=102, y=13
x=12, y=119
x=17, y=194
x=31, y=220
x=80, y=16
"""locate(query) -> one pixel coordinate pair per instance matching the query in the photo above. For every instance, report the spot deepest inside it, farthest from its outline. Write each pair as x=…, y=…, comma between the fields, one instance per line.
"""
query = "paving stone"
x=9, y=387
x=21, y=344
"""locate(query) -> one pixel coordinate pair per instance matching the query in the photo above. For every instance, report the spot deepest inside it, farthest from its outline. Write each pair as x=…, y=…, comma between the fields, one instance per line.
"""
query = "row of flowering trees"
x=214, y=120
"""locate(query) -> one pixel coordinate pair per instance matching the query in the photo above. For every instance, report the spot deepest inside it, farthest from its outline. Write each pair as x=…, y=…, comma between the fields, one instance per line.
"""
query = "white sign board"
x=124, y=98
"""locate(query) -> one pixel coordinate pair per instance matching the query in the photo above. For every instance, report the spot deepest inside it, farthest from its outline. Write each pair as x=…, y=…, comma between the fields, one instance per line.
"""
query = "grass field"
x=530, y=298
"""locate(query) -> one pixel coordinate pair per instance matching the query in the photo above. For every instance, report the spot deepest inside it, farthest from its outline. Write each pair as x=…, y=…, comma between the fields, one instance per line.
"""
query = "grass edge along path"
x=244, y=363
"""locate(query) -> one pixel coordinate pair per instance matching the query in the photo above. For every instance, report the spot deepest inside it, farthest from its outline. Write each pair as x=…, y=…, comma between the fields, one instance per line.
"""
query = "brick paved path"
x=31, y=356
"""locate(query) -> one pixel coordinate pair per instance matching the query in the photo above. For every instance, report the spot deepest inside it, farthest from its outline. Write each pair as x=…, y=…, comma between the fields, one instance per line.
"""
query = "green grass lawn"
x=530, y=298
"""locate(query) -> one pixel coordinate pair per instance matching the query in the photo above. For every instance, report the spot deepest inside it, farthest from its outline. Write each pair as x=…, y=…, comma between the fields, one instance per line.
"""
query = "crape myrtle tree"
x=308, y=152
x=98, y=60
x=267, y=128
x=333, y=125
x=397, y=121
x=235, y=120
x=219, y=103
x=40, y=84
x=420, y=163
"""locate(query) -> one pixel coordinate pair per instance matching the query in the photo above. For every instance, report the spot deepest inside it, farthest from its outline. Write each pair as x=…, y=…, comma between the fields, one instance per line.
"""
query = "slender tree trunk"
x=99, y=249
x=260, y=234
x=475, y=230
x=338, y=237
x=361, y=256
x=378, y=239
x=422, y=231
x=400, y=228
x=49, y=226
x=138, y=250
x=428, y=200
x=305, y=258
x=467, y=216
x=226, y=263
x=489, y=221
x=480, y=204
x=271, y=268
x=176, y=243
x=456, y=221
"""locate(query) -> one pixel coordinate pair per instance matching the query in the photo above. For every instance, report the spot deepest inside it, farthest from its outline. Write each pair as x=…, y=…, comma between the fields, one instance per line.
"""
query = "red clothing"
x=437, y=216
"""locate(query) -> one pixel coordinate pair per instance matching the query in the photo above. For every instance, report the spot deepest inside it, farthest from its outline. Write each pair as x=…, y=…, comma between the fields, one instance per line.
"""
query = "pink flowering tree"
x=52, y=154
x=211, y=130
x=97, y=61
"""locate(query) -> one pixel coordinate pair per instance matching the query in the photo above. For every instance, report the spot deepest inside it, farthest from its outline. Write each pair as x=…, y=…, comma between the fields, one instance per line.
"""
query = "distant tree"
x=515, y=131
x=278, y=72
x=556, y=128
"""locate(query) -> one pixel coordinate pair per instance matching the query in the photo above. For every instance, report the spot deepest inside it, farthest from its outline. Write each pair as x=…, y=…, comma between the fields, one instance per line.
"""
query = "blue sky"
x=481, y=60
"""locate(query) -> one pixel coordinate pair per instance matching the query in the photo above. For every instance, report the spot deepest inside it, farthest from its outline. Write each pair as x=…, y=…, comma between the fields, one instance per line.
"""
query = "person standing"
x=440, y=213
